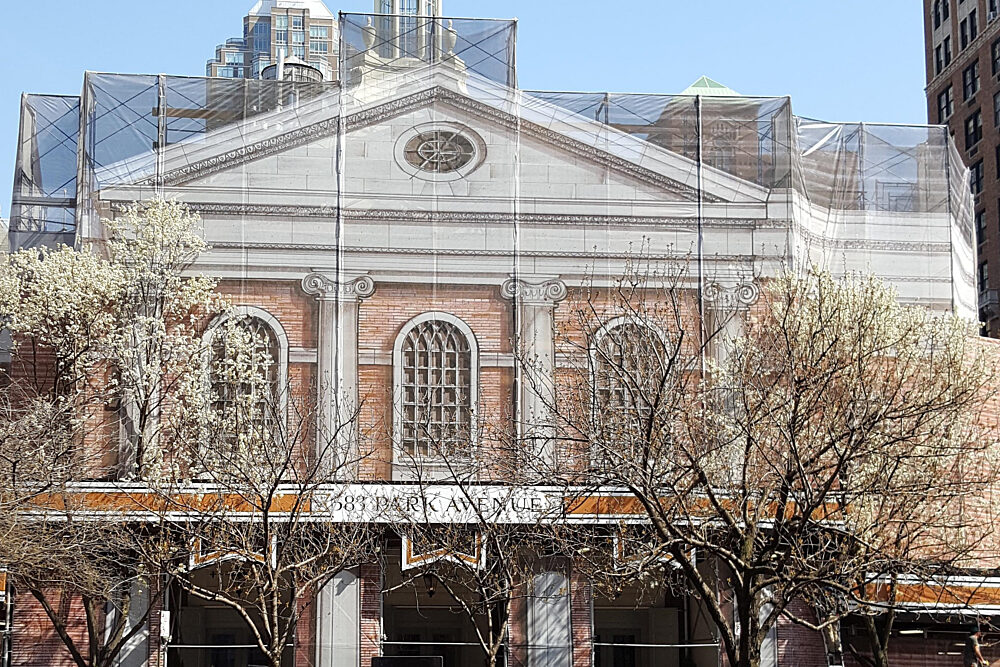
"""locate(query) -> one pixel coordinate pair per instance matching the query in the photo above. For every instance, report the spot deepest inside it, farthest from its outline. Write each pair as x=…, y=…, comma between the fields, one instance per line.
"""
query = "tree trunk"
x=748, y=613
x=750, y=654
x=878, y=639
x=60, y=627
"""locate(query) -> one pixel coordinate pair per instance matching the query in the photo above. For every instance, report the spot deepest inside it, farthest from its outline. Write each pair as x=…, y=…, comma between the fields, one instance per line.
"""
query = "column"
x=550, y=632
x=535, y=350
x=135, y=652
x=337, y=359
x=581, y=618
x=371, y=611
x=726, y=304
x=338, y=618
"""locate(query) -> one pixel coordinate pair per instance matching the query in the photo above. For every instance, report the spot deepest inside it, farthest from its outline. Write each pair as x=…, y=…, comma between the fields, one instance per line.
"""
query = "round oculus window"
x=441, y=151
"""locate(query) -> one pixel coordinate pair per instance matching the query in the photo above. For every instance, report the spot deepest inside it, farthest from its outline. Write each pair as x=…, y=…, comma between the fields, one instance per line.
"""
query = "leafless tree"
x=778, y=440
x=477, y=534
x=243, y=507
x=75, y=568
x=482, y=558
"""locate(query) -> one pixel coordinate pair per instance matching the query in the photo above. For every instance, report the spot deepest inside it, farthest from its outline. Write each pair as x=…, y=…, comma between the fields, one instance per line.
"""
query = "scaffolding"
x=740, y=184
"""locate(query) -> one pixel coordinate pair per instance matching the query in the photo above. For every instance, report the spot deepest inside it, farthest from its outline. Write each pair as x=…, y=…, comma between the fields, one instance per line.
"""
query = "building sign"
x=442, y=503
x=351, y=503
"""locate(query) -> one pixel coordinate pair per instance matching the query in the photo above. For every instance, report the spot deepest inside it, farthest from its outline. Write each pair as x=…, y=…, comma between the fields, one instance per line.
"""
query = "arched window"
x=629, y=363
x=436, y=382
x=268, y=356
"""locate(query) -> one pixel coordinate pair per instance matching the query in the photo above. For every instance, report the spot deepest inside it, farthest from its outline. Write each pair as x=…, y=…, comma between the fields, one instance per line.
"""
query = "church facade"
x=424, y=224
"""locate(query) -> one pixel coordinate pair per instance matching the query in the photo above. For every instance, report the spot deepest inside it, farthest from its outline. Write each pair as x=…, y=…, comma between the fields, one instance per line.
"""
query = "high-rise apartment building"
x=962, y=40
x=306, y=30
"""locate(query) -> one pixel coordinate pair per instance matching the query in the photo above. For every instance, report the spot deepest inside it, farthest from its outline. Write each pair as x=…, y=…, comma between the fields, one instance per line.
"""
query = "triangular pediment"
x=547, y=150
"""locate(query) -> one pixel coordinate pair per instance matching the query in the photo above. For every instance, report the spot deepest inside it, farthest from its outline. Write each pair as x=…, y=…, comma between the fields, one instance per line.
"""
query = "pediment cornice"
x=434, y=95
x=465, y=217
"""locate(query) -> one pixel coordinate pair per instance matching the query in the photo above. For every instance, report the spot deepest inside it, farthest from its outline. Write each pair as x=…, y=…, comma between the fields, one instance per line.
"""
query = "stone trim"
x=323, y=287
x=436, y=94
x=466, y=217
x=470, y=252
x=732, y=296
x=372, y=357
x=302, y=355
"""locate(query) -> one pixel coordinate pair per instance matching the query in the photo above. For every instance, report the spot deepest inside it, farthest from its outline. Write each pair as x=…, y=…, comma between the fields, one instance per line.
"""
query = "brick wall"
x=297, y=313
x=797, y=645
x=580, y=591
x=382, y=317
x=518, y=632
x=155, y=646
x=34, y=642
x=371, y=612
x=305, y=633
x=480, y=306
x=926, y=652
x=285, y=300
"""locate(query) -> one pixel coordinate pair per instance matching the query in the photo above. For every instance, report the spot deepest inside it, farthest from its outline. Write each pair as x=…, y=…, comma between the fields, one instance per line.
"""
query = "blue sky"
x=844, y=60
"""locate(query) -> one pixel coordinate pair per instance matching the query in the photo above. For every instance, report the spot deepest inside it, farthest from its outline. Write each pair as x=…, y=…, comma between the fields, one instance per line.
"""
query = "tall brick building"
x=427, y=198
x=962, y=39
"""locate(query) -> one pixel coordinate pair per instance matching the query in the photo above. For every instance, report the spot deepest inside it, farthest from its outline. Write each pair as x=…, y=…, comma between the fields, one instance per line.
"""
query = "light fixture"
x=429, y=584
x=911, y=632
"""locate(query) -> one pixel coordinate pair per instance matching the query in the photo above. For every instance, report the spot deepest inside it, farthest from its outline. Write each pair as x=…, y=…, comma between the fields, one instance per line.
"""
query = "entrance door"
x=431, y=632
x=625, y=637
x=211, y=634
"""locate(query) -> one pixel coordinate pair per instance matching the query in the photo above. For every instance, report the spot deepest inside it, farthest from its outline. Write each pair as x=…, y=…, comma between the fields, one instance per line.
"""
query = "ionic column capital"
x=545, y=293
x=732, y=295
x=325, y=288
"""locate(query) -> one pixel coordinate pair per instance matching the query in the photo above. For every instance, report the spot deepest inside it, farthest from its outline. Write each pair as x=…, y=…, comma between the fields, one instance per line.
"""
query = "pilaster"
x=337, y=360
x=371, y=611
x=726, y=304
x=581, y=618
x=535, y=302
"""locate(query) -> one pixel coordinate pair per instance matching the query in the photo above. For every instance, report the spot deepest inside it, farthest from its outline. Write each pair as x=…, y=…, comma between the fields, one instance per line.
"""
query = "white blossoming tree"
x=122, y=374
x=103, y=337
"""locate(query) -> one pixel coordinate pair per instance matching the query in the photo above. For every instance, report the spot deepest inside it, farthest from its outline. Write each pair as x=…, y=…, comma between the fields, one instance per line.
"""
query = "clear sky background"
x=847, y=60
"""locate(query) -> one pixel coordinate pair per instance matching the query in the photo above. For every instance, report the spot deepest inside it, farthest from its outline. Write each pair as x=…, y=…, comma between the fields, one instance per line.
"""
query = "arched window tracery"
x=247, y=369
x=436, y=385
x=629, y=363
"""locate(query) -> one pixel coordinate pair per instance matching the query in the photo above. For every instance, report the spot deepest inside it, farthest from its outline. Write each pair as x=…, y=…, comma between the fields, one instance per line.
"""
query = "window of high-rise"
x=262, y=37
x=408, y=28
x=281, y=29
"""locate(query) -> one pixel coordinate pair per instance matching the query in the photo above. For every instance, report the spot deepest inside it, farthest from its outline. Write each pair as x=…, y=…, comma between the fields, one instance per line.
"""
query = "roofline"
x=430, y=16
x=537, y=90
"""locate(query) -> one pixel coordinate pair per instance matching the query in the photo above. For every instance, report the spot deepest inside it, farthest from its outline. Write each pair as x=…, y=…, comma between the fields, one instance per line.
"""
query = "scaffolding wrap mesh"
x=408, y=238
x=45, y=171
x=740, y=182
